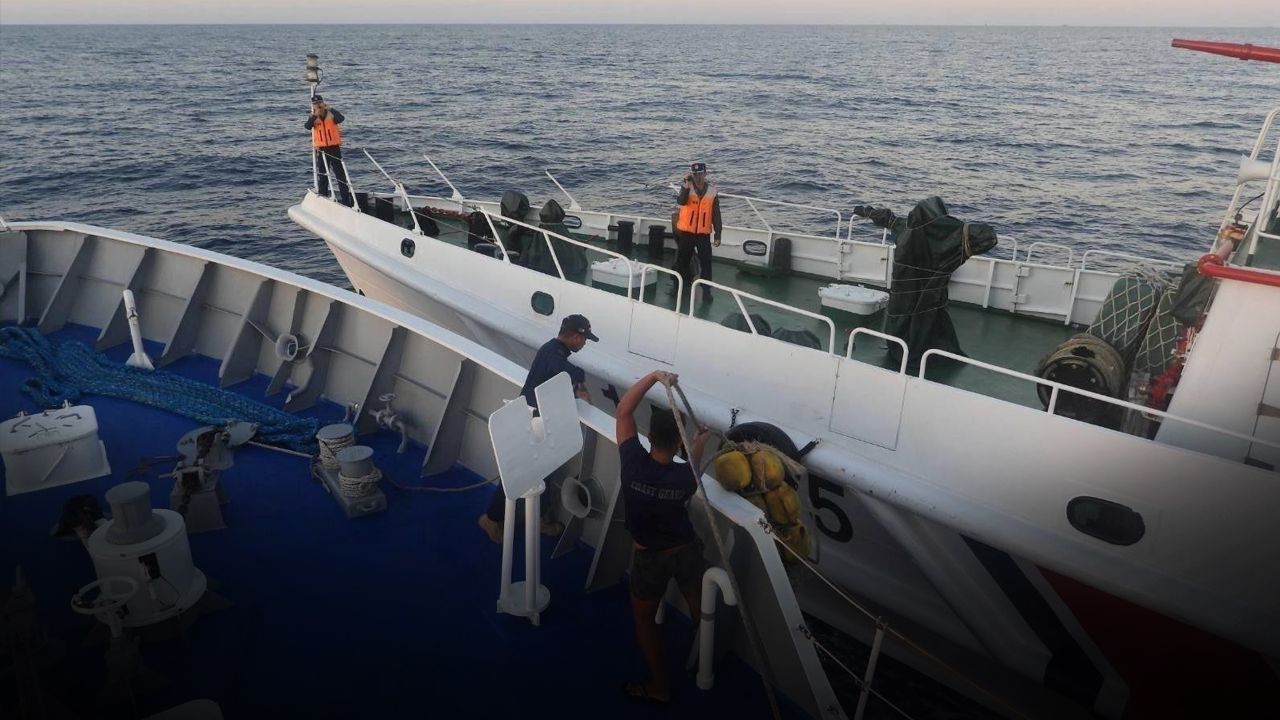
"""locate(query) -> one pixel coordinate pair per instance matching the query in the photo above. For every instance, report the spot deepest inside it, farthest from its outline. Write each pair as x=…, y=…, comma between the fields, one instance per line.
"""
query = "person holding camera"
x=698, y=217
x=326, y=143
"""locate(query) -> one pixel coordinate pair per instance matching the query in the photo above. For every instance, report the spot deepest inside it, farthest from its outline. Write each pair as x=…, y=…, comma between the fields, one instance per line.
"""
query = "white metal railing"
x=1060, y=387
x=848, y=353
x=739, y=294
x=1258, y=144
x=404, y=195
x=751, y=200
x=1071, y=254
x=547, y=235
x=1084, y=259
x=573, y=203
x=457, y=196
x=646, y=267
x=333, y=182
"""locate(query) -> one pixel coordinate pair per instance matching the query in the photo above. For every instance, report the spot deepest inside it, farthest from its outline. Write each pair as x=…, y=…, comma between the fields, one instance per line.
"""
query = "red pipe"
x=1213, y=266
x=1244, y=51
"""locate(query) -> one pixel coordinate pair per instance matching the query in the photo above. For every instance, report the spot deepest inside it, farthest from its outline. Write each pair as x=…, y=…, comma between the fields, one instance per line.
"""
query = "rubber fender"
x=767, y=434
x=766, y=469
x=733, y=472
x=797, y=538
x=784, y=505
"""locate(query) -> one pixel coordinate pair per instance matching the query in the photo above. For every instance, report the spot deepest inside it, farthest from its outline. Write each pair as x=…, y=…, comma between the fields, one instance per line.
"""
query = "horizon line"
x=629, y=24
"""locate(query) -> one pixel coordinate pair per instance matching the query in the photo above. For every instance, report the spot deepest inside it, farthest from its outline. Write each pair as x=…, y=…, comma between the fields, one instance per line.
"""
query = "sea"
x=1068, y=136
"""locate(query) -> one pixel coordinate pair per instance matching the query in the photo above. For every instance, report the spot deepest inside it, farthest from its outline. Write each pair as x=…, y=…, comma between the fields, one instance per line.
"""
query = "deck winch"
x=151, y=548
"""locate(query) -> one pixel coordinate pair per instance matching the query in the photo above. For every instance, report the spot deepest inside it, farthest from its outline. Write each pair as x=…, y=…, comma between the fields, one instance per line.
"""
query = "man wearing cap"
x=326, y=143
x=551, y=360
x=698, y=216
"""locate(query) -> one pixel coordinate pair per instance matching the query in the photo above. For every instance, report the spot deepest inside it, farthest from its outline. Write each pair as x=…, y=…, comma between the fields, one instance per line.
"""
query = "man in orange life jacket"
x=326, y=143
x=697, y=216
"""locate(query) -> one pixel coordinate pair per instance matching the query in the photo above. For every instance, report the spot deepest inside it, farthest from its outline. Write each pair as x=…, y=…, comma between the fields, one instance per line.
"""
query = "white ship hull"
x=947, y=507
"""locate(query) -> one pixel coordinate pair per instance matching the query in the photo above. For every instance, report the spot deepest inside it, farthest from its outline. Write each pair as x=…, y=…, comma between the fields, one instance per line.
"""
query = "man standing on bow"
x=698, y=216
x=326, y=143
x=551, y=360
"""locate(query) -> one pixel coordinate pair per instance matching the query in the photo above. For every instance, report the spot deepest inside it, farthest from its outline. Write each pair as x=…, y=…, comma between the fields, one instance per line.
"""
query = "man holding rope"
x=656, y=491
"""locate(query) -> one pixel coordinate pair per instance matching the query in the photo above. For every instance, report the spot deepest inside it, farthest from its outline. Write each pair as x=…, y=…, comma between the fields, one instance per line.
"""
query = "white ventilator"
x=139, y=357
x=528, y=449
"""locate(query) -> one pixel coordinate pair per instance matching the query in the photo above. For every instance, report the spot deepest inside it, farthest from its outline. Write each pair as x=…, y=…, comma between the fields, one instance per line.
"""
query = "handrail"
x=644, y=269
x=548, y=235
x=749, y=198
x=573, y=203
x=333, y=183
x=1084, y=259
x=1213, y=266
x=497, y=237
x=1057, y=386
x=1253, y=155
x=1071, y=254
x=457, y=196
x=848, y=353
x=739, y=294
x=404, y=195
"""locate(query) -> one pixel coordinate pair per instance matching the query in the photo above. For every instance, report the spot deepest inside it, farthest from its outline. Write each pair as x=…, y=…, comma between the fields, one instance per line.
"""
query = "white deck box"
x=613, y=272
x=55, y=447
x=855, y=299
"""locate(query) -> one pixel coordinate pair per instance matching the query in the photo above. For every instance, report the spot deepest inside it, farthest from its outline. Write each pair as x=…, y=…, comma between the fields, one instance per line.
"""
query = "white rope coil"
x=354, y=487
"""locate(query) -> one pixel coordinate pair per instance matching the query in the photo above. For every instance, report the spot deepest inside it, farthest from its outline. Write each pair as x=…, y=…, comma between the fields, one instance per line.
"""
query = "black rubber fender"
x=766, y=433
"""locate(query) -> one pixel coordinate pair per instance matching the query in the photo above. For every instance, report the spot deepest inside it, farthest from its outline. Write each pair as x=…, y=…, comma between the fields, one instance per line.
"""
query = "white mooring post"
x=527, y=450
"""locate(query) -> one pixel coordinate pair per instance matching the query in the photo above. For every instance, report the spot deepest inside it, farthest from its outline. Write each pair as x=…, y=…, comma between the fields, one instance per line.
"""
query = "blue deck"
x=388, y=615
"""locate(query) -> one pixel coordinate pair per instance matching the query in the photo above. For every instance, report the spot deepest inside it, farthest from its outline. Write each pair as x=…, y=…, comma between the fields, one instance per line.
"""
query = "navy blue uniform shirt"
x=657, y=498
x=551, y=360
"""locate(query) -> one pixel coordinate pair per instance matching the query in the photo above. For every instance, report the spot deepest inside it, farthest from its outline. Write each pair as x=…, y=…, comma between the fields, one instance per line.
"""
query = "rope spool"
x=333, y=438
x=357, y=475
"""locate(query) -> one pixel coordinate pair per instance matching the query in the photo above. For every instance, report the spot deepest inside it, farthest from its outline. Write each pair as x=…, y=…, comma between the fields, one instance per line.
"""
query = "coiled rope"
x=67, y=369
x=329, y=450
x=354, y=487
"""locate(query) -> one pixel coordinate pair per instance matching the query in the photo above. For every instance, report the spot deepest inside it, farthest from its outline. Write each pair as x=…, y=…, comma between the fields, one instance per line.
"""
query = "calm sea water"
x=1074, y=136
x=1068, y=135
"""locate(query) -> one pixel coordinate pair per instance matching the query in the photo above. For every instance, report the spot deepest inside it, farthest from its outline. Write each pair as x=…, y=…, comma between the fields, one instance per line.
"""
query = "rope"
x=856, y=678
x=748, y=623
x=329, y=450
x=354, y=487
x=66, y=369
x=897, y=635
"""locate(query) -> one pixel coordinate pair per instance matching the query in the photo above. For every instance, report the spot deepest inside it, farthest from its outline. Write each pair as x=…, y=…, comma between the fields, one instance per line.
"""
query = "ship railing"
x=1233, y=207
x=334, y=180
x=848, y=353
x=400, y=190
x=738, y=296
x=1058, y=388
x=547, y=235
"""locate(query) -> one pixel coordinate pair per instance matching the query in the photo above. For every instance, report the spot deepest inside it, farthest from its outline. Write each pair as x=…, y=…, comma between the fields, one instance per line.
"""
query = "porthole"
x=406, y=247
x=542, y=303
x=1108, y=521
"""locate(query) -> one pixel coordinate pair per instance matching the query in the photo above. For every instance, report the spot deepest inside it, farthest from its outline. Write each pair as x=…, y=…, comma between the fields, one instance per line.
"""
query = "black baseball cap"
x=578, y=324
x=317, y=98
x=698, y=167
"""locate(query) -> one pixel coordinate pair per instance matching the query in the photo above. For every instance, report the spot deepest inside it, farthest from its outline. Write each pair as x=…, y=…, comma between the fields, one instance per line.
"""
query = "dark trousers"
x=686, y=245
x=334, y=156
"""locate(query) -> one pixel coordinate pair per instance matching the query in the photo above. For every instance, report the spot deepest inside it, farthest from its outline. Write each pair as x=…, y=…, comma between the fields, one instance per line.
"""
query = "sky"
x=1164, y=13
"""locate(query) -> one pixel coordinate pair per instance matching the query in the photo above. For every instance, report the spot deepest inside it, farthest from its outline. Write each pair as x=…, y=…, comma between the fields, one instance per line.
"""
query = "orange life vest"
x=324, y=132
x=696, y=212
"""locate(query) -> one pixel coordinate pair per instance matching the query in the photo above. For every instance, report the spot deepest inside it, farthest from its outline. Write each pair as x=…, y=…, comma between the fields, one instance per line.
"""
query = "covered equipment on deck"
x=930, y=245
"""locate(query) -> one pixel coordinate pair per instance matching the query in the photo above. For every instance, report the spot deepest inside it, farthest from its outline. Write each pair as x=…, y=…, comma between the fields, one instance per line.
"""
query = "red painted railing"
x=1212, y=265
